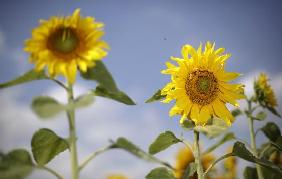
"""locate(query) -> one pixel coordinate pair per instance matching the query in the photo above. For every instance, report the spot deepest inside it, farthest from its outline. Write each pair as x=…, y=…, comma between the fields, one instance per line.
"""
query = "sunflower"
x=199, y=85
x=230, y=165
x=116, y=176
x=184, y=157
x=264, y=92
x=65, y=44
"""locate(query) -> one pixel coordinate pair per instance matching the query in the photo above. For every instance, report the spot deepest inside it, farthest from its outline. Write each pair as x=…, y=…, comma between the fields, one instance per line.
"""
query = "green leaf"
x=46, y=145
x=217, y=127
x=260, y=116
x=15, y=165
x=271, y=131
x=273, y=110
x=190, y=170
x=278, y=143
x=270, y=174
x=266, y=150
x=115, y=95
x=83, y=101
x=123, y=143
x=250, y=173
x=241, y=151
x=46, y=107
x=100, y=74
x=160, y=173
x=236, y=112
x=227, y=137
x=25, y=78
x=107, y=87
x=163, y=141
x=156, y=97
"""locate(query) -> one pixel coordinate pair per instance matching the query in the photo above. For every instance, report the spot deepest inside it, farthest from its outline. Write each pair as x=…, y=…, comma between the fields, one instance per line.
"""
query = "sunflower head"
x=116, y=176
x=264, y=93
x=200, y=85
x=65, y=44
x=185, y=156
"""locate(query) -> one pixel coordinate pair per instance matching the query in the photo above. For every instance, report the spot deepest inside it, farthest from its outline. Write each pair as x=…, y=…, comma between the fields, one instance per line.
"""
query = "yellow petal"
x=71, y=71
x=222, y=112
x=175, y=110
x=204, y=116
x=227, y=76
x=195, y=112
x=188, y=51
x=82, y=65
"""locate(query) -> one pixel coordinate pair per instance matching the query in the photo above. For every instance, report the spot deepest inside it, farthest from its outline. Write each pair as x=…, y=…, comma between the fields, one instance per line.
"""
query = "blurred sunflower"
x=64, y=44
x=184, y=157
x=264, y=92
x=199, y=84
x=116, y=176
x=230, y=165
x=276, y=158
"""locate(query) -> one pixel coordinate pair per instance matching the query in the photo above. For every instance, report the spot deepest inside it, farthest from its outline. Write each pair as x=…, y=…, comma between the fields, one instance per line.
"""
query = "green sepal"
x=236, y=112
x=216, y=128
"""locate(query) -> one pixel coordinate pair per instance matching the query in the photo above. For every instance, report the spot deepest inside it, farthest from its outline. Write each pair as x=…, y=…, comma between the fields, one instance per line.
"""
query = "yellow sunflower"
x=116, y=176
x=184, y=157
x=264, y=91
x=63, y=44
x=199, y=84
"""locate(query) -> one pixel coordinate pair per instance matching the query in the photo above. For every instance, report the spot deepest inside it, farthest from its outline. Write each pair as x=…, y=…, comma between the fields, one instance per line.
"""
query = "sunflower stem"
x=72, y=133
x=53, y=172
x=197, y=155
x=252, y=136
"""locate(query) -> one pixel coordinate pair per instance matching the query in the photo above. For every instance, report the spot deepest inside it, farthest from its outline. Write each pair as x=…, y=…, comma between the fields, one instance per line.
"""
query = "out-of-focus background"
x=142, y=35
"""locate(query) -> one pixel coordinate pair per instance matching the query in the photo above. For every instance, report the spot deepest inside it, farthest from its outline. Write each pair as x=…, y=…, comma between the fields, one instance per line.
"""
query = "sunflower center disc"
x=203, y=84
x=63, y=40
x=201, y=87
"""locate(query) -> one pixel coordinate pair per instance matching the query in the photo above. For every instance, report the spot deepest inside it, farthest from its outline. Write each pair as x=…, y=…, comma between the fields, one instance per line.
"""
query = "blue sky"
x=142, y=35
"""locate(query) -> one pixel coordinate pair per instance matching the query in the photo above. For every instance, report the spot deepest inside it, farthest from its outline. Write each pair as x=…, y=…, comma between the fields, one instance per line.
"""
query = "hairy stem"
x=253, y=140
x=73, y=138
x=53, y=172
x=93, y=155
x=197, y=155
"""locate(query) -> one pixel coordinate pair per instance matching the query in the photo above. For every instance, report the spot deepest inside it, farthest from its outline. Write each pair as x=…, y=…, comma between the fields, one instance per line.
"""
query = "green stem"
x=50, y=171
x=217, y=160
x=73, y=138
x=253, y=140
x=93, y=155
x=197, y=155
